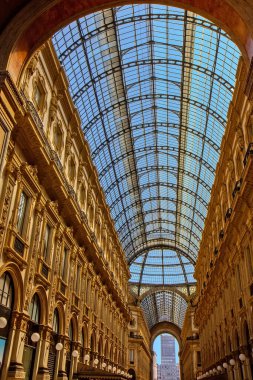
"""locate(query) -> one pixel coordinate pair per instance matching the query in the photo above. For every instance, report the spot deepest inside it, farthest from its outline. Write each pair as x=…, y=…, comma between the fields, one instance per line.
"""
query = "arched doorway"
x=31, y=343
x=131, y=372
x=165, y=349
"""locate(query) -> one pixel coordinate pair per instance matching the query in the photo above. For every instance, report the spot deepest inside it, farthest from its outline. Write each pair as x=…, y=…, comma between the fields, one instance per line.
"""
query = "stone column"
x=246, y=369
x=62, y=375
x=237, y=375
x=43, y=372
x=18, y=333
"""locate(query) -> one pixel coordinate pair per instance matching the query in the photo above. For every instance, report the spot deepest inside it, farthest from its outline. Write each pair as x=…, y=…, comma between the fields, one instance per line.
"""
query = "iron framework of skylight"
x=152, y=85
x=164, y=306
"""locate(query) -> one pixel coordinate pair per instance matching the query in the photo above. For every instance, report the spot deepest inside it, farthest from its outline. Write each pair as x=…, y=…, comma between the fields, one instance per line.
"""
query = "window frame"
x=10, y=291
x=47, y=242
x=64, y=266
x=21, y=222
x=37, y=307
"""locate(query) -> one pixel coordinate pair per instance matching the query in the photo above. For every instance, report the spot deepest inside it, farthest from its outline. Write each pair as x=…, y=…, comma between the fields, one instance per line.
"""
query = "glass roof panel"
x=164, y=306
x=162, y=266
x=152, y=85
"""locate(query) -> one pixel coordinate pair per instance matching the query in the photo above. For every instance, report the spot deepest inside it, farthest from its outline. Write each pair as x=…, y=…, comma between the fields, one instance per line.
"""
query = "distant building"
x=168, y=369
x=155, y=373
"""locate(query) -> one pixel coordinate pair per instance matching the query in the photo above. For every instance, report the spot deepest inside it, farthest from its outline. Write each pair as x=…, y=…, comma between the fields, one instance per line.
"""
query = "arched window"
x=106, y=350
x=34, y=309
x=56, y=324
x=100, y=347
x=131, y=371
x=6, y=304
x=71, y=331
x=6, y=290
x=92, y=347
x=82, y=353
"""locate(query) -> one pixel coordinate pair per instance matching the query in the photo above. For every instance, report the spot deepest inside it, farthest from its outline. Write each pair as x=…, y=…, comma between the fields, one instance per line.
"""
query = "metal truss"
x=164, y=306
x=176, y=127
x=152, y=85
x=106, y=110
x=161, y=246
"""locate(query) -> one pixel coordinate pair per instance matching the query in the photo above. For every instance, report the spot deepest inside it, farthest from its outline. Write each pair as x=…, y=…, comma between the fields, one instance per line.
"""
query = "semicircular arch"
x=166, y=328
x=17, y=280
x=32, y=26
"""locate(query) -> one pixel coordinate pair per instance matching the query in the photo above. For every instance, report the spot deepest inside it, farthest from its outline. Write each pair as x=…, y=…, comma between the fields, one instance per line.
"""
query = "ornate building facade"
x=64, y=277
x=224, y=267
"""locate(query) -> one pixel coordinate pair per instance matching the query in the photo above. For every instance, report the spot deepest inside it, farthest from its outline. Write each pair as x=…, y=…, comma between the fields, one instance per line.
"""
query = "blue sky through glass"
x=152, y=85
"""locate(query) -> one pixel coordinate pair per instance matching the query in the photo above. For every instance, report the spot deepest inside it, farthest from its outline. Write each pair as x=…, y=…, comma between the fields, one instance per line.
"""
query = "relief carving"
x=30, y=169
x=5, y=209
x=68, y=144
x=55, y=277
x=32, y=267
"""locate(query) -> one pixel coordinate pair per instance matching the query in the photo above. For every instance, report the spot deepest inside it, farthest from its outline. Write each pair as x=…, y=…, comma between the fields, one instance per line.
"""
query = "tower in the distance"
x=168, y=369
x=168, y=350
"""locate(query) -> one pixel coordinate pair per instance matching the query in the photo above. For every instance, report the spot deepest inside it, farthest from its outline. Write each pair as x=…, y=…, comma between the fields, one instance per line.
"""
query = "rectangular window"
x=78, y=270
x=249, y=262
x=198, y=358
x=46, y=242
x=64, y=268
x=131, y=356
x=239, y=281
x=21, y=212
x=87, y=291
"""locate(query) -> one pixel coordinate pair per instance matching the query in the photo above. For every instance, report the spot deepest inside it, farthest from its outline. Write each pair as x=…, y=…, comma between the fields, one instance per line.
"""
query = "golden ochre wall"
x=140, y=359
x=52, y=211
x=224, y=269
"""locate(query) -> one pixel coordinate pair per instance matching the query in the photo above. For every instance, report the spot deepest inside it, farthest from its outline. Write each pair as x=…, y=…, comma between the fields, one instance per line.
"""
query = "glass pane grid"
x=152, y=85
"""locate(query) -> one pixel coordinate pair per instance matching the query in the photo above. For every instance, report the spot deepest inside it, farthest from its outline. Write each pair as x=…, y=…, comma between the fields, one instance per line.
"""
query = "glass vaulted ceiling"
x=152, y=85
x=163, y=306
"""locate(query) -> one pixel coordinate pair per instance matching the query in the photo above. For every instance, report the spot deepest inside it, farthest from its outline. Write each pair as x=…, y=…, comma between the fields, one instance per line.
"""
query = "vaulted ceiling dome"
x=152, y=85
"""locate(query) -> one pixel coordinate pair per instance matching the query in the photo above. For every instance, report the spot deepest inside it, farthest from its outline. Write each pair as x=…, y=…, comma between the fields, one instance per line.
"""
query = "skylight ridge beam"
x=163, y=169
x=171, y=125
x=160, y=246
x=172, y=149
x=189, y=219
x=165, y=230
x=184, y=272
x=139, y=98
x=143, y=62
x=172, y=185
x=184, y=132
x=155, y=16
x=129, y=123
x=207, y=115
x=155, y=132
x=141, y=274
x=165, y=287
x=153, y=221
x=98, y=105
x=194, y=254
